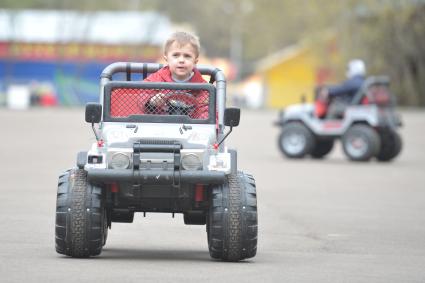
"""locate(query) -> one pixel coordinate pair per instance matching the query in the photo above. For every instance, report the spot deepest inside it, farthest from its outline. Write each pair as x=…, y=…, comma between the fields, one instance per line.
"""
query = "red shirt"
x=164, y=75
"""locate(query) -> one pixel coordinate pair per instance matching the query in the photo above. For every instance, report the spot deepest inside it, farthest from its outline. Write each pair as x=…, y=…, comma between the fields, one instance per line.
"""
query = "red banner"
x=77, y=51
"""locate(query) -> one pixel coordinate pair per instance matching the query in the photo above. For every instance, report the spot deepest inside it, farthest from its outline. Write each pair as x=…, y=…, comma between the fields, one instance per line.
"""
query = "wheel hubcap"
x=294, y=143
x=356, y=146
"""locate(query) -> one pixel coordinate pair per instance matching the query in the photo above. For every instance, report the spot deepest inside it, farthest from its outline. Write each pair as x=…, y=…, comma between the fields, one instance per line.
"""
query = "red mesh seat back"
x=136, y=101
x=125, y=102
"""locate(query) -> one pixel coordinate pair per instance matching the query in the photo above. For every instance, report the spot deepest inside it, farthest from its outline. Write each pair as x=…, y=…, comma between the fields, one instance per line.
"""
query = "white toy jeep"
x=165, y=156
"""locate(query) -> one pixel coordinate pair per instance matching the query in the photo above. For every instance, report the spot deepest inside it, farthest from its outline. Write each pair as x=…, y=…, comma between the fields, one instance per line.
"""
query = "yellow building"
x=290, y=75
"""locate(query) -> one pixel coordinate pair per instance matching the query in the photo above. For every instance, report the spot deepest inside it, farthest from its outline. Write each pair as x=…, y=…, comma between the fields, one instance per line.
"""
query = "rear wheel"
x=322, y=148
x=295, y=140
x=80, y=216
x=391, y=145
x=232, y=219
x=361, y=143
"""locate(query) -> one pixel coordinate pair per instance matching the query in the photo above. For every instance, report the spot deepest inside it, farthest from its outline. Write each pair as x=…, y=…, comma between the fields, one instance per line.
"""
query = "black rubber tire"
x=391, y=145
x=369, y=139
x=296, y=140
x=105, y=229
x=194, y=218
x=321, y=148
x=232, y=225
x=80, y=216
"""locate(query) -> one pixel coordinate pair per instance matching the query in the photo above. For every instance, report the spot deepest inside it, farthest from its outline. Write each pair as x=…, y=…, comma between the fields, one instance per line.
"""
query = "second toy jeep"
x=367, y=127
x=167, y=156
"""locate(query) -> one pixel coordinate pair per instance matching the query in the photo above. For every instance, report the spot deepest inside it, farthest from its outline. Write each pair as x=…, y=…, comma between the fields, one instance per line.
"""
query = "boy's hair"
x=183, y=38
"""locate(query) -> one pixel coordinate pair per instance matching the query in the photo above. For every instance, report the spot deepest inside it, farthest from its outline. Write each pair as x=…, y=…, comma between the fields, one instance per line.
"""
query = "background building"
x=59, y=55
x=290, y=75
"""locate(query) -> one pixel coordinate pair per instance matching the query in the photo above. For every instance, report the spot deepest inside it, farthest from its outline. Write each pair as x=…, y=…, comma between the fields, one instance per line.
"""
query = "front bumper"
x=156, y=177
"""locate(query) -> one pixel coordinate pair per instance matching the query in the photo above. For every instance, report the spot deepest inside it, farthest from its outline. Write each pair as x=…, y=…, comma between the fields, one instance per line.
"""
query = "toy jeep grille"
x=157, y=141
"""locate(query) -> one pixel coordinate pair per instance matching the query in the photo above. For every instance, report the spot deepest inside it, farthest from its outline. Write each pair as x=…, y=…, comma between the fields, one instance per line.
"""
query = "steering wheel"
x=180, y=103
x=173, y=103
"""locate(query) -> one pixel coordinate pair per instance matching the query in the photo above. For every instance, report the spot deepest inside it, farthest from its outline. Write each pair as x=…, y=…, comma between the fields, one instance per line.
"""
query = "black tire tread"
x=322, y=148
x=233, y=219
x=79, y=216
x=391, y=145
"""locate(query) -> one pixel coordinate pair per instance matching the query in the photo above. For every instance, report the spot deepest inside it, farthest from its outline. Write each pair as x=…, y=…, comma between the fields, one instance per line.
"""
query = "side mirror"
x=232, y=116
x=93, y=112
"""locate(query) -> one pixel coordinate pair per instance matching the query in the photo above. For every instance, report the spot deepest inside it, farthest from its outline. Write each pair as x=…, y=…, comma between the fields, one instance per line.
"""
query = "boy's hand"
x=157, y=100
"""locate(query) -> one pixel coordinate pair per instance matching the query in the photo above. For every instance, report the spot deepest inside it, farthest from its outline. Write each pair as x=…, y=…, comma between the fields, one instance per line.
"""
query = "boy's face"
x=181, y=60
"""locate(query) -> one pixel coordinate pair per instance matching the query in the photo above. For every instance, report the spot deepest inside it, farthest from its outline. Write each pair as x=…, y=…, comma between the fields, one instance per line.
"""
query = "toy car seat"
x=321, y=104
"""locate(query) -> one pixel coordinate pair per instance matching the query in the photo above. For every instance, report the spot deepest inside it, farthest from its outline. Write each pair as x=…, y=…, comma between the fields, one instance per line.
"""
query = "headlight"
x=120, y=161
x=220, y=162
x=191, y=161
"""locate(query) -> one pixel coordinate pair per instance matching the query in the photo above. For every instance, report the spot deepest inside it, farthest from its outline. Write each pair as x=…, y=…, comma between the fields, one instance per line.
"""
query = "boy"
x=181, y=52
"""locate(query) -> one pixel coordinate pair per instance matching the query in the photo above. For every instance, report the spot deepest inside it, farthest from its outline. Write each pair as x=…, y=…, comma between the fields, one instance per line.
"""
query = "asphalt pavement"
x=328, y=220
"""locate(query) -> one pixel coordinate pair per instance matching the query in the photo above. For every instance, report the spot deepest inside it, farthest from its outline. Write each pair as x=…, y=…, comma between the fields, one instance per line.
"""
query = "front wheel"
x=80, y=216
x=295, y=140
x=232, y=225
x=361, y=142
